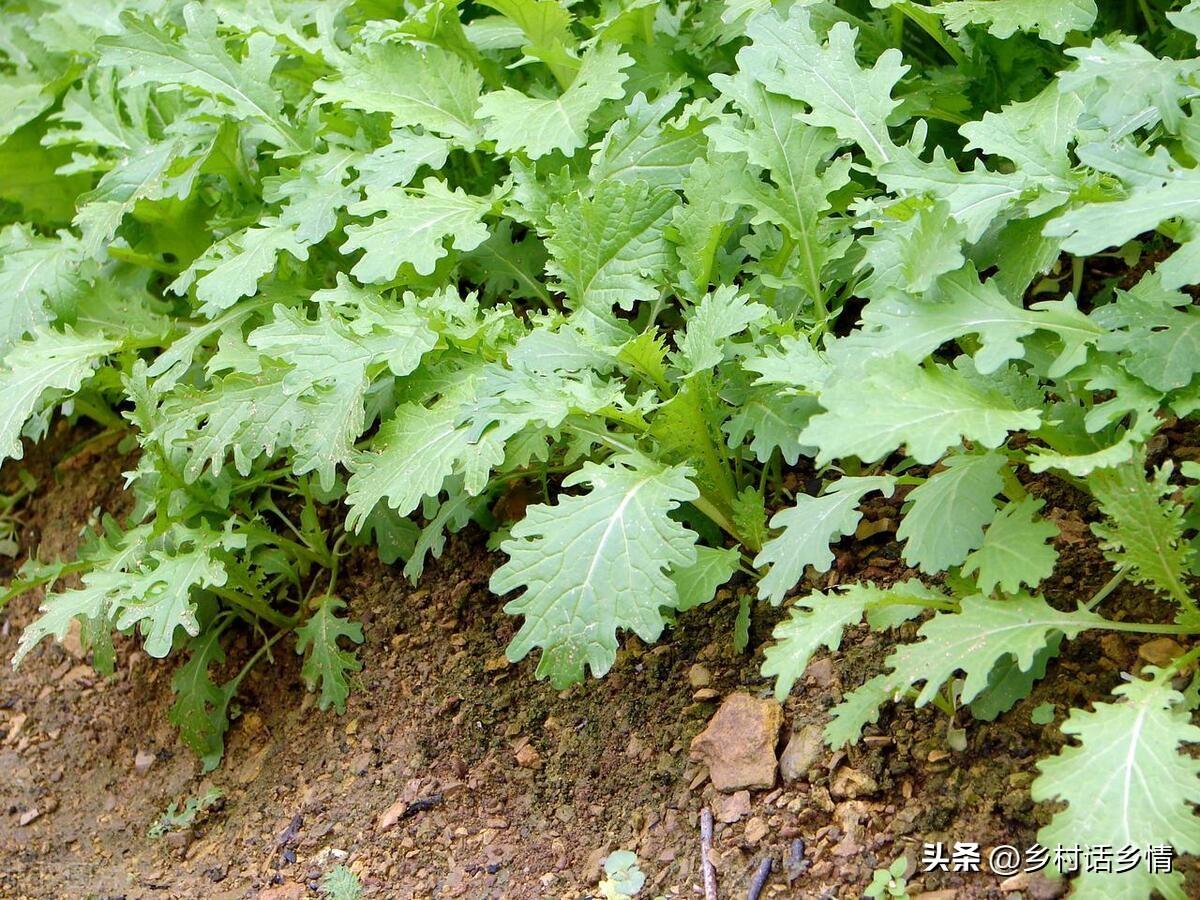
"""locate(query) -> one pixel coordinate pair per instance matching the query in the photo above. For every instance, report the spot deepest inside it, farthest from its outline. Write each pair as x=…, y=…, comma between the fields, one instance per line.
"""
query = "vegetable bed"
x=679, y=308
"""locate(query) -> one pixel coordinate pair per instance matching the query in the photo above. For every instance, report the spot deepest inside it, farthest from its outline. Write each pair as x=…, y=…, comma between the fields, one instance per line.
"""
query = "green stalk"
x=255, y=607
x=931, y=24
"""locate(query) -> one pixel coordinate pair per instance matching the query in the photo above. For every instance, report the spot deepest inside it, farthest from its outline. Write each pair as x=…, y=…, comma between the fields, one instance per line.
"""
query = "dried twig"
x=760, y=879
x=706, y=866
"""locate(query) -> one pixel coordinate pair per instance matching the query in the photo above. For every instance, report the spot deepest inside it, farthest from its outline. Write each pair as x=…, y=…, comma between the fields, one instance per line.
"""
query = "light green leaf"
x=808, y=529
x=803, y=173
x=721, y=315
x=326, y=663
x=414, y=452
x=232, y=267
x=697, y=584
x=1127, y=87
x=773, y=421
x=35, y=272
x=139, y=176
x=787, y=56
x=418, y=86
x=819, y=620
x=596, y=562
x=946, y=514
x=926, y=409
x=643, y=147
x=46, y=366
x=1126, y=782
x=199, y=61
x=414, y=228
x=1014, y=550
x=1143, y=527
x=537, y=126
x=858, y=708
x=977, y=638
x=607, y=250
x=1050, y=19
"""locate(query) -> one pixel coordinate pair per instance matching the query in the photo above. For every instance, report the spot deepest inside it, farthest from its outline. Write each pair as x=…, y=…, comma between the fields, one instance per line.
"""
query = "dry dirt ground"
x=455, y=774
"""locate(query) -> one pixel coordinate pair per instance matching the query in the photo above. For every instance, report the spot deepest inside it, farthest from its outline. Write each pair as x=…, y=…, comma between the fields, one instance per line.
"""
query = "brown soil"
x=436, y=728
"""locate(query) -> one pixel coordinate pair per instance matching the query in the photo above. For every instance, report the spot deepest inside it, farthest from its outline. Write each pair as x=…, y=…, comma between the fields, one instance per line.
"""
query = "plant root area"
x=454, y=773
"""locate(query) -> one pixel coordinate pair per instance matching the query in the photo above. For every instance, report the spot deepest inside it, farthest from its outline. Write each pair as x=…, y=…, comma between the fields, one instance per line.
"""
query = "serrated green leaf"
x=1050, y=19
x=1014, y=550
x=200, y=710
x=326, y=662
x=597, y=562
x=608, y=249
x=425, y=86
x=820, y=619
x=35, y=272
x=45, y=366
x=1143, y=528
x=414, y=228
x=1127, y=783
x=946, y=515
x=787, y=56
x=808, y=527
x=697, y=584
x=537, y=126
x=976, y=638
x=198, y=60
x=926, y=409
x=858, y=709
x=721, y=315
x=644, y=147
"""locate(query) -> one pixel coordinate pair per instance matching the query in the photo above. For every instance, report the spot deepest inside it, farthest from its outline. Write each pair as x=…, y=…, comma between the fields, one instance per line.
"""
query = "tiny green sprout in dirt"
x=339, y=883
x=666, y=297
x=9, y=522
x=176, y=819
x=889, y=883
x=622, y=877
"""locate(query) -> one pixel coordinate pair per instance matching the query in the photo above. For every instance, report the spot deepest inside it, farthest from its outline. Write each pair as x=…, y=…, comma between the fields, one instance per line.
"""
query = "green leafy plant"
x=344, y=279
x=622, y=877
x=176, y=819
x=889, y=882
x=339, y=883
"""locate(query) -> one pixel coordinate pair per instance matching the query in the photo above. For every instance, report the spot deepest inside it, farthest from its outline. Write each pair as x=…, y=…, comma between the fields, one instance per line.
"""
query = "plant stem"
x=255, y=607
x=1109, y=586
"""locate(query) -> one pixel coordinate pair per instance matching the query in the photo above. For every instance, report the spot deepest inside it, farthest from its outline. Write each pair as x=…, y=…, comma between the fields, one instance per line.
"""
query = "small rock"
x=1043, y=888
x=699, y=677
x=391, y=815
x=81, y=674
x=756, y=830
x=804, y=748
x=528, y=757
x=946, y=894
x=1160, y=651
x=705, y=694
x=594, y=861
x=143, y=761
x=820, y=672
x=739, y=743
x=496, y=663
x=732, y=808
x=179, y=841
x=851, y=783
x=361, y=762
x=1114, y=647
x=290, y=891
x=327, y=857
x=30, y=815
